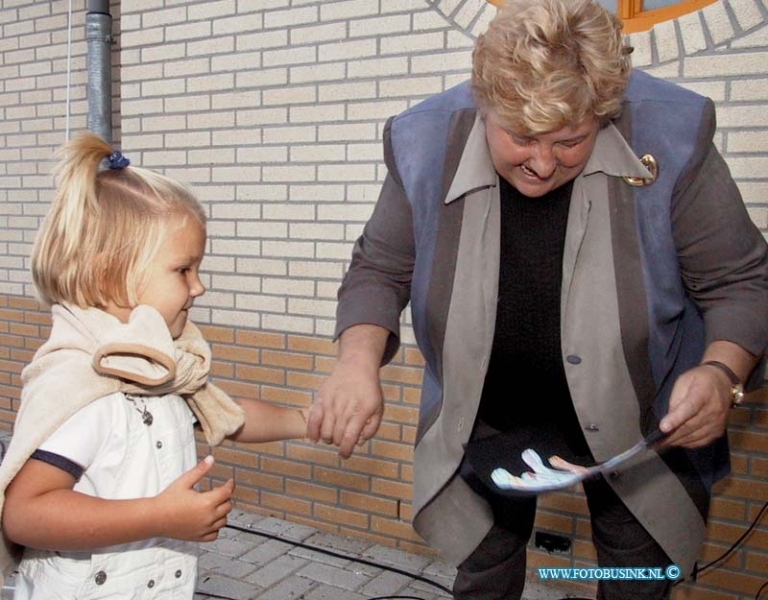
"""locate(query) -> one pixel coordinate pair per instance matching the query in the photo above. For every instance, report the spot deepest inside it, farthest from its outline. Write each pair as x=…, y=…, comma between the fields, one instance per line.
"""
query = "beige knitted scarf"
x=90, y=354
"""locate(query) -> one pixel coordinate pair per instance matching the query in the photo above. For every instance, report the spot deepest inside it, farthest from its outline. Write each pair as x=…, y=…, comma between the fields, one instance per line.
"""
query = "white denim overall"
x=124, y=457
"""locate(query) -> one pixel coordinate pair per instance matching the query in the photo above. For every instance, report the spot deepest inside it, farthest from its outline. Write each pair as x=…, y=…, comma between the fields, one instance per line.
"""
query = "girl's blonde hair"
x=104, y=227
x=546, y=64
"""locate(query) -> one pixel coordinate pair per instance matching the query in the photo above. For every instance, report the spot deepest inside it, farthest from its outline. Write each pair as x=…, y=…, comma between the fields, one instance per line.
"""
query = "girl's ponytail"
x=70, y=219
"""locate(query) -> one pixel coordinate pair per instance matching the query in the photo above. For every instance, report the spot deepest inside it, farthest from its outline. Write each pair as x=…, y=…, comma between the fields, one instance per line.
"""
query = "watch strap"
x=737, y=387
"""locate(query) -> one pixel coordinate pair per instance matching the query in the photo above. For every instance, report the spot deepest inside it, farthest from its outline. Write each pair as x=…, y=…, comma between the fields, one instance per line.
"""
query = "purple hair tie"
x=117, y=160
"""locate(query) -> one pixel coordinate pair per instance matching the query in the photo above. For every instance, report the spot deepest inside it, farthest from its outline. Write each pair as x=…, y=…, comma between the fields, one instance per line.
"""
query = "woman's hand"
x=348, y=407
x=701, y=397
x=698, y=408
x=349, y=404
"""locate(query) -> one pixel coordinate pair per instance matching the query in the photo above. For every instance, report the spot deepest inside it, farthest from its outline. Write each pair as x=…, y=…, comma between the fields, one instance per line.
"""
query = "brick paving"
x=263, y=558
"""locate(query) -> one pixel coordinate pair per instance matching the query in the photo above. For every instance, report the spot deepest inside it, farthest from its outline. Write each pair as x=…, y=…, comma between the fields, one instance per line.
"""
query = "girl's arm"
x=43, y=511
x=266, y=422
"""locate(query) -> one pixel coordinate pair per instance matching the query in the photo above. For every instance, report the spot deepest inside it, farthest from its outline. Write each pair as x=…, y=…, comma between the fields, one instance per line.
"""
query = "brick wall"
x=273, y=112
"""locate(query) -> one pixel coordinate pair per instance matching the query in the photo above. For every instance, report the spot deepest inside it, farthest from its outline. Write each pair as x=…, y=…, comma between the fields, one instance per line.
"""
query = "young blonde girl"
x=100, y=477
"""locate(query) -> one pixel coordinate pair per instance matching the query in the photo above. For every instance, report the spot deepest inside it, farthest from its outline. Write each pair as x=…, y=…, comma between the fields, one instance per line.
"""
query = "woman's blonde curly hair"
x=545, y=64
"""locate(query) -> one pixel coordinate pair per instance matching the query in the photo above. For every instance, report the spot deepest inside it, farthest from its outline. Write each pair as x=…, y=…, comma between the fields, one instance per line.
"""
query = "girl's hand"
x=42, y=510
x=190, y=515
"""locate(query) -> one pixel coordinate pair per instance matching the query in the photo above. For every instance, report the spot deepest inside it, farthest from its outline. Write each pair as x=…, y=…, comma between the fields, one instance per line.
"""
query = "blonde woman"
x=581, y=272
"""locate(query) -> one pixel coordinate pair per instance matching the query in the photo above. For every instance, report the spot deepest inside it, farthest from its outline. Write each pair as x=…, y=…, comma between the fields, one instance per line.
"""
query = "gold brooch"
x=649, y=163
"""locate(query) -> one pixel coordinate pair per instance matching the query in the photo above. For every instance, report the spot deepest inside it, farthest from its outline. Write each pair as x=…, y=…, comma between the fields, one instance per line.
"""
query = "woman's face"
x=537, y=164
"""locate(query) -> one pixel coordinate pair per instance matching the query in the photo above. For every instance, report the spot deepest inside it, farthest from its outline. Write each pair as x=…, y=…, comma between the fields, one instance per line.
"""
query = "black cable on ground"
x=395, y=598
x=370, y=563
x=212, y=595
x=374, y=598
x=335, y=554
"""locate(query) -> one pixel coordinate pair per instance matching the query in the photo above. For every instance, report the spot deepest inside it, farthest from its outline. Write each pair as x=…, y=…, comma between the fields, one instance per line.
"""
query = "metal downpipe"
x=98, y=35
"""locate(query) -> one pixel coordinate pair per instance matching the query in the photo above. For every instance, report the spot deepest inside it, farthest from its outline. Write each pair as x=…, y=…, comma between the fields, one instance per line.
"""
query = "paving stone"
x=327, y=592
x=227, y=546
x=214, y=563
x=431, y=586
x=246, y=518
x=321, y=557
x=224, y=586
x=277, y=570
x=344, y=544
x=292, y=587
x=253, y=539
x=386, y=583
x=328, y=574
x=438, y=568
x=418, y=592
x=246, y=566
x=359, y=565
x=440, y=572
x=392, y=556
x=285, y=529
x=266, y=552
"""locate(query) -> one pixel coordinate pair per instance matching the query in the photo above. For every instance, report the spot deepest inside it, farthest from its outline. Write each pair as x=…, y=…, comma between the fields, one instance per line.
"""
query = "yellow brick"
x=372, y=466
x=394, y=528
x=320, y=493
x=391, y=488
x=317, y=455
x=235, y=354
x=370, y=503
x=389, y=450
x=341, y=516
x=342, y=479
x=286, y=359
x=217, y=334
x=260, y=339
x=406, y=375
x=283, y=503
x=304, y=380
x=286, y=468
x=322, y=346
x=25, y=330
x=260, y=374
x=401, y=414
x=259, y=480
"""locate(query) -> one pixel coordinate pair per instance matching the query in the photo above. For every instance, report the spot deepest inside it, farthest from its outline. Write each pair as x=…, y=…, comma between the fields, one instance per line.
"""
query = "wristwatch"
x=737, y=388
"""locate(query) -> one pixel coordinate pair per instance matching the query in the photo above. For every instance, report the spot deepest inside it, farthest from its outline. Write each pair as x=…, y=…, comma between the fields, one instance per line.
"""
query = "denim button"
x=151, y=583
x=100, y=578
x=177, y=574
x=159, y=445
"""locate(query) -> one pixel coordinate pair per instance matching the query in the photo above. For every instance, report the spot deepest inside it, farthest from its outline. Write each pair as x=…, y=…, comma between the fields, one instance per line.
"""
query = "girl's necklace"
x=146, y=416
